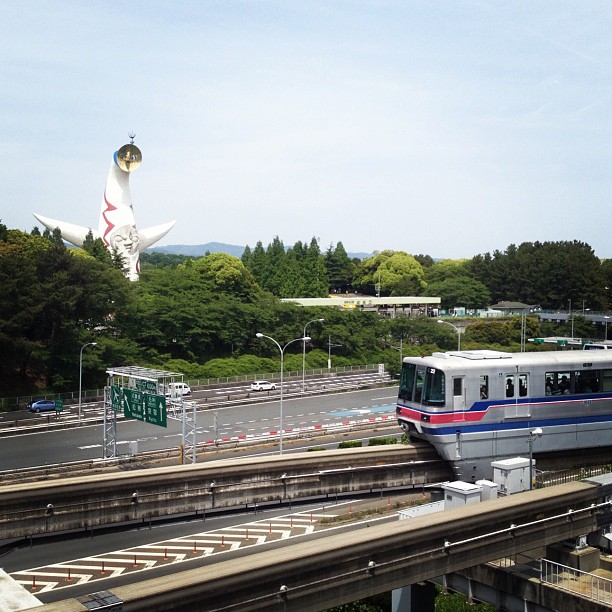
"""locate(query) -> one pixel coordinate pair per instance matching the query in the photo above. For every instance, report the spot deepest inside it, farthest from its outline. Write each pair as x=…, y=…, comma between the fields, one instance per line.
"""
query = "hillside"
x=199, y=250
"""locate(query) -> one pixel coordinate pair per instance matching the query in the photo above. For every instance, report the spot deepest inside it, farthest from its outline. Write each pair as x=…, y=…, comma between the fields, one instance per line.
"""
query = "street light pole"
x=533, y=436
x=400, y=348
x=329, y=348
x=304, y=353
x=81, y=372
x=282, y=356
x=456, y=329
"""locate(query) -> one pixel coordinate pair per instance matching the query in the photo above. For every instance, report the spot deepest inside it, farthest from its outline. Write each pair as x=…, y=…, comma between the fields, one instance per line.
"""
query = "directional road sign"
x=148, y=386
x=132, y=404
x=155, y=409
x=116, y=398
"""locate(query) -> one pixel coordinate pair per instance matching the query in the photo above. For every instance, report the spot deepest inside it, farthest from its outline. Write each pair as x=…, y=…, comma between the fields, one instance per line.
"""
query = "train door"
x=459, y=398
x=517, y=389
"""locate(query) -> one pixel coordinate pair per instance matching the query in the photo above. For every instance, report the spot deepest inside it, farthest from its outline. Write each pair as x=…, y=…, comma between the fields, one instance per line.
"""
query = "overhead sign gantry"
x=142, y=394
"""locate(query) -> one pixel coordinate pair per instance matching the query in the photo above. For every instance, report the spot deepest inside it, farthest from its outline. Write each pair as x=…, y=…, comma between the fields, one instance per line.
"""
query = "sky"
x=448, y=128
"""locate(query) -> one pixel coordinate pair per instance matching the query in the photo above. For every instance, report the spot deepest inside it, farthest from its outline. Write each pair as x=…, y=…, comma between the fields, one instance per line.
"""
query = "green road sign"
x=143, y=406
x=132, y=404
x=116, y=398
x=155, y=409
x=59, y=405
x=149, y=386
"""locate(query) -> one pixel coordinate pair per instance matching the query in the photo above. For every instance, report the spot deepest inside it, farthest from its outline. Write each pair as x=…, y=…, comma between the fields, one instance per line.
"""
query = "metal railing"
x=591, y=586
x=552, y=478
x=18, y=402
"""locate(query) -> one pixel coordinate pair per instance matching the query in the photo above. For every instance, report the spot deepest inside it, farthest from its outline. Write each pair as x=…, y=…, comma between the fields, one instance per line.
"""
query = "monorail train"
x=479, y=406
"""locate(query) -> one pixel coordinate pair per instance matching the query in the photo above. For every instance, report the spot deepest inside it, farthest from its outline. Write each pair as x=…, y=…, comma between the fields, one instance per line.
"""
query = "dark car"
x=41, y=405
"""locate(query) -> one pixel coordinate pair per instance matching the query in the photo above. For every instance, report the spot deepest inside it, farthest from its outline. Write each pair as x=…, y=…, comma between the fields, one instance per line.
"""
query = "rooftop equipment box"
x=511, y=475
x=460, y=493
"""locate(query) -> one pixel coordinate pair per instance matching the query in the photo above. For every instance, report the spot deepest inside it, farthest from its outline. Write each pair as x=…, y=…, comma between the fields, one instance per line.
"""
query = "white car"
x=262, y=385
x=177, y=390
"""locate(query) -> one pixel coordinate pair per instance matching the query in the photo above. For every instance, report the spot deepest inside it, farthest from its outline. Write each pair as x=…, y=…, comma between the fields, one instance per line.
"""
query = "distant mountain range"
x=199, y=250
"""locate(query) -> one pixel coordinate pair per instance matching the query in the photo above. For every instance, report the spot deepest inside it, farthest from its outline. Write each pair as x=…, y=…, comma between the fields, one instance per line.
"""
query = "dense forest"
x=200, y=316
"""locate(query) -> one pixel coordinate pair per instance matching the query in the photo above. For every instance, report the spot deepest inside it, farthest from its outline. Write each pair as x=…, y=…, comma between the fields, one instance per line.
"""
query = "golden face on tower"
x=129, y=157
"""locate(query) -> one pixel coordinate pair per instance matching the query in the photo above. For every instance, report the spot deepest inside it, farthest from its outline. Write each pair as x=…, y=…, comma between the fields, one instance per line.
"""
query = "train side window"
x=558, y=383
x=457, y=386
x=549, y=385
x=587, y=381
x=510, y=385
x=522, y=385
x=606, y=380
x=564, y=382
x=484, y=387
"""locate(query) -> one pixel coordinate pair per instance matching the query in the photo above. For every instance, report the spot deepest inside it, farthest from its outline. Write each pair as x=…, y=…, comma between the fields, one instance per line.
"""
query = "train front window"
x=407, y=379
x=418, y=387
x=435, y=387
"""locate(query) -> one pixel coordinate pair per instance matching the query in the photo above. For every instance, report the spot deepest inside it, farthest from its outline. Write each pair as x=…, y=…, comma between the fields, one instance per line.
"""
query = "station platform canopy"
x=143, y=373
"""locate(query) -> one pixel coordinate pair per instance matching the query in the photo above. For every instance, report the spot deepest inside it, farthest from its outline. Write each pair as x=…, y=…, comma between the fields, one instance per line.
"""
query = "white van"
x=178, y=389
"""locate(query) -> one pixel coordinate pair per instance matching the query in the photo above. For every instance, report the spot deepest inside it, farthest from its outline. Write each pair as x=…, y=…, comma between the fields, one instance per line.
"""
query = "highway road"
x=106, y=560
x=46, y=448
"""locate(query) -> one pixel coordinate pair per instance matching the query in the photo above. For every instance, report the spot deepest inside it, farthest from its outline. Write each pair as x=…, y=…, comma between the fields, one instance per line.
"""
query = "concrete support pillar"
x=418, y=597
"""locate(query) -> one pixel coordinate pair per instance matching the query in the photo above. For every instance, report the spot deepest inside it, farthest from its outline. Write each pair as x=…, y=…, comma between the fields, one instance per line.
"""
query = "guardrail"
x=570, y=579
x=54, y=422
x=19, y=402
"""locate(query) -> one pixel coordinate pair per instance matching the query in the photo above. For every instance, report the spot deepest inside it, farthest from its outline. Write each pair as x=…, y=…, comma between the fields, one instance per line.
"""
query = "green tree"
x=395, y=272
x=339, y=268
x=488, y=332
x=155, y=259
x=54, y=301
x=460, y=291
x=549, y=274
x=314, y=272
x=226, y=273
x=256, y=262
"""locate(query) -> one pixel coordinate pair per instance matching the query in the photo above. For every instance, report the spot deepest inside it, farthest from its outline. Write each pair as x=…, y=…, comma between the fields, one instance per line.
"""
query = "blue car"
x=42, y=405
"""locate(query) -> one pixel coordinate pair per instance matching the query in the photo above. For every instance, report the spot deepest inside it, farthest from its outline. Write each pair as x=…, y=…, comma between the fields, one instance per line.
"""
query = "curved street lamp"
x=81, y=372
x=304, y=352
x=282, y=355
x=456, y=329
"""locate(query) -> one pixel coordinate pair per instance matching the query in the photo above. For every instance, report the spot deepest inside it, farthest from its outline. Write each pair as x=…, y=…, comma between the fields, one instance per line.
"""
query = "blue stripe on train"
x=516, y=424
x=483, y=406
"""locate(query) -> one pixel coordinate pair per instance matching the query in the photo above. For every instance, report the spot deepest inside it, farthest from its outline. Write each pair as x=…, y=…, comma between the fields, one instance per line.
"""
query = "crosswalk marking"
x=176, y=550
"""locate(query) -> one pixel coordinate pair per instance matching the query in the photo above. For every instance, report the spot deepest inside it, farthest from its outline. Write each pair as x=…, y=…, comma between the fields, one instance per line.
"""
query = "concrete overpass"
x=86, y=502
x=317, y=574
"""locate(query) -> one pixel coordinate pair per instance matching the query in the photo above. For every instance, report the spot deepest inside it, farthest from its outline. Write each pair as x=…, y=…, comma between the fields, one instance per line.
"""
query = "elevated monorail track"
x=86, y=502
x=317, y=574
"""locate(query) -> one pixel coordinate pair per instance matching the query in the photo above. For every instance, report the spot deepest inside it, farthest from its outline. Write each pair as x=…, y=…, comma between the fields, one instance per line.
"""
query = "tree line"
x=552, y=275
x=200, y=316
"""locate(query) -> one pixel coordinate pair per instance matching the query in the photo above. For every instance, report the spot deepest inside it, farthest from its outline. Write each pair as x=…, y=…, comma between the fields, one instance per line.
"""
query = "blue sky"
x=447, y=128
